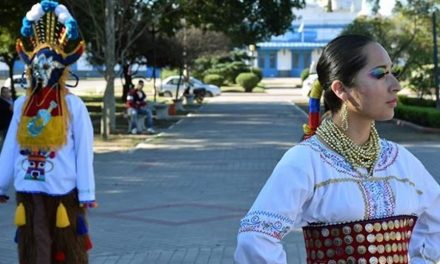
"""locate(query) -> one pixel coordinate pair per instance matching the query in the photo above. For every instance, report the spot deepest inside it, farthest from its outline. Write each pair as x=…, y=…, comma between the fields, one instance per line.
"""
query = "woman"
x=358, y=198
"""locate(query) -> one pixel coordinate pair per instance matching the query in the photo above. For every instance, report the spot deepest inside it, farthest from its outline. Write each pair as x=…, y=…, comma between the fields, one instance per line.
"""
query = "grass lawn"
x=239, y=89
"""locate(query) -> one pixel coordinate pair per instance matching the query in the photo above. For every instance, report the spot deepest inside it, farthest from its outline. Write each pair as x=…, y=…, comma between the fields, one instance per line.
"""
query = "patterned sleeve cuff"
x=272, y=224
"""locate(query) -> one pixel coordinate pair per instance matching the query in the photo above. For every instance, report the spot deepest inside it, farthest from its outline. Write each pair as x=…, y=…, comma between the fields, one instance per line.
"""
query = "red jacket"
x=136, y=98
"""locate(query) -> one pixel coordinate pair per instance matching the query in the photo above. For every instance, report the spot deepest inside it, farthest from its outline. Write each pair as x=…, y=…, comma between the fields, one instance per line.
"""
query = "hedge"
x=424, y=116
x=258, y=72
x=247, y=80
x=304, y=74
x=416, y=101
x=215, y=79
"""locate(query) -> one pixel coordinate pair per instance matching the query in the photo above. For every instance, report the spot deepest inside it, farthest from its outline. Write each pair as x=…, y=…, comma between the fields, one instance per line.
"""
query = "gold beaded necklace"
x=363, y=156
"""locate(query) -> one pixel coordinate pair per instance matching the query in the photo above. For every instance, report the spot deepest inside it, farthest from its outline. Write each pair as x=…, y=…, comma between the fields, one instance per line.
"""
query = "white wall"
x=284, y=60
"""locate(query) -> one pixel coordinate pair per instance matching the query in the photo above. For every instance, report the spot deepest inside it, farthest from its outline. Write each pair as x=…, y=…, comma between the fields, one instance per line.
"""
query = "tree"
x=405, y=37
x=11, y=15
x=244, y=22
x=110, y=37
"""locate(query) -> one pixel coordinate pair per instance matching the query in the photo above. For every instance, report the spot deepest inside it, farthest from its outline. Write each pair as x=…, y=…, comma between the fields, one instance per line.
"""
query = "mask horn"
x=75, y=55
x=21, y=52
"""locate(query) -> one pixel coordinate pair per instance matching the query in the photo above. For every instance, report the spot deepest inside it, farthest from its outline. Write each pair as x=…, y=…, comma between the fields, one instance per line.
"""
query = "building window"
x=307, y=60
x=261, y=61
x=272, y=60
x=295, y=60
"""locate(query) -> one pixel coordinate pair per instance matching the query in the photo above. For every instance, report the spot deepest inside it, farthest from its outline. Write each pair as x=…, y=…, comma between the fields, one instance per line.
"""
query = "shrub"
x=215, y=79
x=258, y=72
x=424, y=116
x=247, y=80
x=416, y=101
x=304, y=74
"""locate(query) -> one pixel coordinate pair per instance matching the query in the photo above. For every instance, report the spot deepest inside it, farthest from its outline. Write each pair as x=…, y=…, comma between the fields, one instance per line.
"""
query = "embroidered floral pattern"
x=268, y=223
x=379, y=199
x=378, y=196
x=388, y=155
x=329, y=157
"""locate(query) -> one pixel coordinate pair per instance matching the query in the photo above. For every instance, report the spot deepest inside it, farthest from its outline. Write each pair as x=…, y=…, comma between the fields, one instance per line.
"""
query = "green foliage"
x=228, y=66
x=304, y=74
x=416, y=101
x=406, y=36
x=424, y=116
x=258, y=72
x=247, y=80
x=421, y=79
x=214, y=79
x=201, y=64
x=167, y=72
x=245, y=22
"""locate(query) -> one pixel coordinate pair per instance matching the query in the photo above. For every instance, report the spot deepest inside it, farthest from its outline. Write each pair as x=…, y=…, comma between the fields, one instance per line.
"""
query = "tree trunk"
x=329, y=6
x=127, y=74
x=108, y=110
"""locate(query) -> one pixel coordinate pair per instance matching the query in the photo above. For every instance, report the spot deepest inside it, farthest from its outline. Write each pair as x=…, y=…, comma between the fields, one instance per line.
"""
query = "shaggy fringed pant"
x=40, y=241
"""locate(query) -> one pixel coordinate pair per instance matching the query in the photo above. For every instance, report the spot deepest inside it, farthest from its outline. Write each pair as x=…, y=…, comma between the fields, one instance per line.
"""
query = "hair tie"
x=314, y=105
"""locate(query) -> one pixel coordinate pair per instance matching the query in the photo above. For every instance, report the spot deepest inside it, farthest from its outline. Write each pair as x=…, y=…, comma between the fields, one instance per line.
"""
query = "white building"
x=289, y=54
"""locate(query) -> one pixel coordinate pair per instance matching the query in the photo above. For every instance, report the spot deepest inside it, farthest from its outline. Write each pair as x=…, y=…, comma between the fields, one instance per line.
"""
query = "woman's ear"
x=339, y=89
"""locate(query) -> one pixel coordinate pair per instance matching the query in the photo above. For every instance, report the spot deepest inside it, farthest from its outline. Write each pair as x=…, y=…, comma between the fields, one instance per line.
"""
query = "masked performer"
x=48, y=150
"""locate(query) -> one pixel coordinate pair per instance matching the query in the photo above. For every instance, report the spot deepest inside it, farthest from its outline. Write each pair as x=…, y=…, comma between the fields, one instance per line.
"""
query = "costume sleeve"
x=10, y=149
x=425, y=241
x=83, y=140
x=274, y=213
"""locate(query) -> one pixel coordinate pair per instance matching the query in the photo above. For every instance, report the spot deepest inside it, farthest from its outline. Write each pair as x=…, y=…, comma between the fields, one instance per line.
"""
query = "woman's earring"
x=344, y=113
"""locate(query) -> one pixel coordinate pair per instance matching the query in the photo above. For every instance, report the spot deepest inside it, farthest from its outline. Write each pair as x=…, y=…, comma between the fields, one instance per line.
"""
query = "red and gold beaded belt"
x=383, y=240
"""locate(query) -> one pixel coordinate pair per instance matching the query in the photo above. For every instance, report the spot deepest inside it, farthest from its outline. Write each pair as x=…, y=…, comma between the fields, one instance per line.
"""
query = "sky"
x=386, y=6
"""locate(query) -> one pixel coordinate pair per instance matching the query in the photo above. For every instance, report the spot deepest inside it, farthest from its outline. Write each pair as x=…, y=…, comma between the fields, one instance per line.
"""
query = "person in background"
x=137, y=105
x=358, y=198
x=6, y=107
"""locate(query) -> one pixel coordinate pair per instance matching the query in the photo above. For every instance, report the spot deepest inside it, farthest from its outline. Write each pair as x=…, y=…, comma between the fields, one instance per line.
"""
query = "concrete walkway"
x=179, y=197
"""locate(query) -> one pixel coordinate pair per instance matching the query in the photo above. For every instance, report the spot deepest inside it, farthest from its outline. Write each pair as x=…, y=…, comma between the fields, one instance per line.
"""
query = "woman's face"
x=374, y=94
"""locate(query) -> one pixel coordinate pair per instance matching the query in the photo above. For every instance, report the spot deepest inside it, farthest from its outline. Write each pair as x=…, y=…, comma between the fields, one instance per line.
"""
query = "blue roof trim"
x=291, y=44
x=317, y=26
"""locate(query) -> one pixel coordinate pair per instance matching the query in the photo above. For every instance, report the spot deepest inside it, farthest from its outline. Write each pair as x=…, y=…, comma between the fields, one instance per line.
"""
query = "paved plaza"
x=178, y=197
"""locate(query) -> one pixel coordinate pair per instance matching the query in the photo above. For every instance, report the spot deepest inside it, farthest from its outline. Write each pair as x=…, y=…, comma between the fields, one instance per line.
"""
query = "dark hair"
x=4, y=88
x=141, y=81
x=341, y=60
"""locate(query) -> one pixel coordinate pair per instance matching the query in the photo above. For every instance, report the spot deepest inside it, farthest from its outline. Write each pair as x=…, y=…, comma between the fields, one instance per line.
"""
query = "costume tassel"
x=88, y=244
x=62, y=218
x=60, y=256
x=20, y=215
x=81, y=227
x=16, y=236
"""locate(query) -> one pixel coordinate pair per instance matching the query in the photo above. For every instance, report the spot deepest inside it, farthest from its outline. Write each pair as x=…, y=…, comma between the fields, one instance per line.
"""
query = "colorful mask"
x=49, y=44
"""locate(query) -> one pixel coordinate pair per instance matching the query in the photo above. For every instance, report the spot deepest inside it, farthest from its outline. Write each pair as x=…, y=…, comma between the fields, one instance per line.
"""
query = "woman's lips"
x=392, y=102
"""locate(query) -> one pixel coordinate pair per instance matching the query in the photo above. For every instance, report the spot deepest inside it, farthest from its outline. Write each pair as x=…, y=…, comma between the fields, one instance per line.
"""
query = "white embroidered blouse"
x=56, y=174
x=312, y=183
